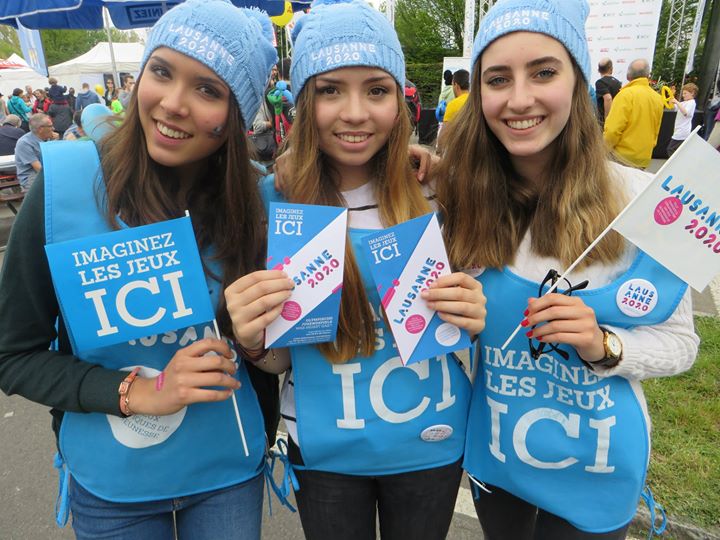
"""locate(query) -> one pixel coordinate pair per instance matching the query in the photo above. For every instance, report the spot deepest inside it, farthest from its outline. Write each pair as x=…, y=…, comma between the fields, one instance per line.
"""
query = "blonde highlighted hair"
x=398, y=195
x=488, y=207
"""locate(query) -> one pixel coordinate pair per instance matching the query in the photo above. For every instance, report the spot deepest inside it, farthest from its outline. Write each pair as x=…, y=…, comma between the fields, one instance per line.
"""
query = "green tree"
x=667, y=66
x=430, y=29
x=63, y=45
x=8, y=41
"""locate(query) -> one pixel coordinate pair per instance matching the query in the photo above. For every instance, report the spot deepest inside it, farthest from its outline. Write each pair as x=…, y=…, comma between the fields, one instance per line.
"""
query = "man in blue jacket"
x=85, y=97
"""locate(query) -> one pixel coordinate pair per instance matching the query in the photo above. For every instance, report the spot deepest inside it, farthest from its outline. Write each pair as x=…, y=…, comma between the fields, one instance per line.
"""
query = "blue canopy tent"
x=125, y=14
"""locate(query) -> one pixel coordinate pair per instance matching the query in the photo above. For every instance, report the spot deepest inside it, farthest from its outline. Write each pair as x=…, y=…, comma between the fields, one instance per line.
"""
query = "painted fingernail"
x=529, y=334
x=526, y=312
x=539, y=338
x=160, y=381
x=524, y=322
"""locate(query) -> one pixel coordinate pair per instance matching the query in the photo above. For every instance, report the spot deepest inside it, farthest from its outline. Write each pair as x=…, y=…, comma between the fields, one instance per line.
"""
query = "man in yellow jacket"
x=632, y=127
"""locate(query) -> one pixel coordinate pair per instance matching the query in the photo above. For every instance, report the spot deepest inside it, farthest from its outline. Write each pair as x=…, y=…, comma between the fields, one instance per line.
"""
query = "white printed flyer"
x=308, y=243
x=404, y=261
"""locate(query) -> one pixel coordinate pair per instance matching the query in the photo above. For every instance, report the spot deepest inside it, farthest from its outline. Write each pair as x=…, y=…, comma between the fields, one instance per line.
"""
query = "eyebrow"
x=531, y=64
x=198, y=78
x=332, y=80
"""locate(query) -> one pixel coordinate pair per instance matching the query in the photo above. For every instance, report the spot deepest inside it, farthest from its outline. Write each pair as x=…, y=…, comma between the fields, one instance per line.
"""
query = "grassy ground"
x=685, y=466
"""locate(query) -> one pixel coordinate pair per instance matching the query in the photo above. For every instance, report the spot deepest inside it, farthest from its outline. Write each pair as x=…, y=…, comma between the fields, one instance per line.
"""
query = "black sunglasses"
x=550, y=280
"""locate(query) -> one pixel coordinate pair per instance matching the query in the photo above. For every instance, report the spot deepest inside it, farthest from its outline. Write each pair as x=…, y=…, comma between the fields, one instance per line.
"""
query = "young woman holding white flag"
x=558, y=433
x=156, y=452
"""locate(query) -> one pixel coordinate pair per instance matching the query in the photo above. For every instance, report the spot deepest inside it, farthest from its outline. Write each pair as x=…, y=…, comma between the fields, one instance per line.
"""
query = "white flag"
x=676, y=219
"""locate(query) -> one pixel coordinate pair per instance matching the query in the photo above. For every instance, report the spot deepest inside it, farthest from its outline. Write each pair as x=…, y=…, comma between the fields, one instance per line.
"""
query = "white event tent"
x=89, y=67
x=11, y=78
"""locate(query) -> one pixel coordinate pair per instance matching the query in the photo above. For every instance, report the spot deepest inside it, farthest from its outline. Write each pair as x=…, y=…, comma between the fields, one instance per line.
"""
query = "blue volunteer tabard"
x=373, y=416
x=551, y=431
x=195, y=450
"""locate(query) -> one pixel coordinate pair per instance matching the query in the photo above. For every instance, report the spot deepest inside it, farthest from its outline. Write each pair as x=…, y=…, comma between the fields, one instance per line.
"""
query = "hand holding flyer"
x=308, y=243
x=404, y=261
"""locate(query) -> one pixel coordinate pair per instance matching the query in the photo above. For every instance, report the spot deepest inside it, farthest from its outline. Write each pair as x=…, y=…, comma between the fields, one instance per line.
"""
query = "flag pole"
x=234, y=401
x=604, y=233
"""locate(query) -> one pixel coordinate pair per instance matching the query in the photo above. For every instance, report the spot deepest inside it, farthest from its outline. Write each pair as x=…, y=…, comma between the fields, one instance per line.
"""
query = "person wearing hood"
x=17, y=106
x=86, y=97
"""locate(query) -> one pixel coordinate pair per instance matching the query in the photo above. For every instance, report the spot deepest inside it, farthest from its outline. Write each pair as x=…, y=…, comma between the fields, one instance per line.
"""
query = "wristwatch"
x=613, y=350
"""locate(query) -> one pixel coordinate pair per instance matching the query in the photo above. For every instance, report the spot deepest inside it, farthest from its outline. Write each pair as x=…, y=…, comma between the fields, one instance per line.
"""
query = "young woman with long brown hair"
x=359, y=422
x=558, y=438
x=157, y=452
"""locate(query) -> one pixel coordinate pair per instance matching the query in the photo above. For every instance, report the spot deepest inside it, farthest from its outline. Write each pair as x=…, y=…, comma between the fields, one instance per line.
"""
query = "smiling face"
x=527, y=82
x=181, y=103
x=356, y=109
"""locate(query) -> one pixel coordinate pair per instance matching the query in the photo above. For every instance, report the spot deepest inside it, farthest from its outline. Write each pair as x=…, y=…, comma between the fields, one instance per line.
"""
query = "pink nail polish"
x=529, y=334
x=524, y=322
x=526, y=312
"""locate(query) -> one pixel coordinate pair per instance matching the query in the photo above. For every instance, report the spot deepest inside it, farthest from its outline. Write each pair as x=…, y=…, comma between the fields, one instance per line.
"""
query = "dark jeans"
x=416, y=505
x=506, y=517
x=673, y=145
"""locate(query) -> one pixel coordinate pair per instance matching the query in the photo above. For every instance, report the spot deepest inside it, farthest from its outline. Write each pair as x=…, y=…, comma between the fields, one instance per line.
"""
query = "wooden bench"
x=10, y=193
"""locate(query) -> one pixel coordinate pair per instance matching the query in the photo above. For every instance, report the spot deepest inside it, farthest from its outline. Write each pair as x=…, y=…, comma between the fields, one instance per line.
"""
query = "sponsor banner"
x=622, y=30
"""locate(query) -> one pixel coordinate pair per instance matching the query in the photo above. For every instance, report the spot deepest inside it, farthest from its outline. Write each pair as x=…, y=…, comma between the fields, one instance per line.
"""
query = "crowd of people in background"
x=53, y=113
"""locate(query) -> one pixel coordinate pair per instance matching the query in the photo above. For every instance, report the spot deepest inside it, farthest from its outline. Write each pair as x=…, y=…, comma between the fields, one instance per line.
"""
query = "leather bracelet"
x=124, y=390
x=251, y=355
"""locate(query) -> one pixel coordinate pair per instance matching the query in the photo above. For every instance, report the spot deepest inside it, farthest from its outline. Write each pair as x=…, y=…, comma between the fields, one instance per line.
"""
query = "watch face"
x=614, y=345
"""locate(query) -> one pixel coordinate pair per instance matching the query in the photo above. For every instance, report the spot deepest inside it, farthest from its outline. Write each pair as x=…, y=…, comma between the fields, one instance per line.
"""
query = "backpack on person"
x=412, y=100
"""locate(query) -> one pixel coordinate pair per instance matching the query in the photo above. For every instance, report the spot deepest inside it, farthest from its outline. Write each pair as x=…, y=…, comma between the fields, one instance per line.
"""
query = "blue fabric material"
x=342, y=34
x=550, y=431
x=196, y=450
x=288, y=476
x=235, y=43
x=563, y=20
x=62, y=503
x=368, y=416
x=654, y=508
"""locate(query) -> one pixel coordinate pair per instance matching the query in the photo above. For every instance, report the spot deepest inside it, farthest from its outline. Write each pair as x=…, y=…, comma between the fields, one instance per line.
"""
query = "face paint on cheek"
x=217, y=131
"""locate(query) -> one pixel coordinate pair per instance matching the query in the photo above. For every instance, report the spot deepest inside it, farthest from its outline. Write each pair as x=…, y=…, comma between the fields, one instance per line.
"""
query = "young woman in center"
x=359, y=422
x=558, y=432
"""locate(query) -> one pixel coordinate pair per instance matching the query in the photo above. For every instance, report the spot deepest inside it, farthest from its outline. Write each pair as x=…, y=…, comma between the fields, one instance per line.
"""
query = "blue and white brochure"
x=404, y=261
x=308, y=243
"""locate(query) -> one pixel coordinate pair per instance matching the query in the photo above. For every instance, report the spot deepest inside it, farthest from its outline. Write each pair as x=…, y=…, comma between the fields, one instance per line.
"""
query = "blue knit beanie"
x=235, y=43
x=563, y=20
x=342, y=34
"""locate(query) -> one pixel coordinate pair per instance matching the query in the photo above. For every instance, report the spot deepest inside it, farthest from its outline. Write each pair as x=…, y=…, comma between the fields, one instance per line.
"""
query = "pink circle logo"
x=415, y=324
x=668, y=211
x=291, y=311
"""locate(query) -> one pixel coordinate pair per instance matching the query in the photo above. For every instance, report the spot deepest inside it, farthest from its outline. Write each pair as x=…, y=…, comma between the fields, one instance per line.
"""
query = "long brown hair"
x=488, y=207
x=398, y=195
x=224, y=201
